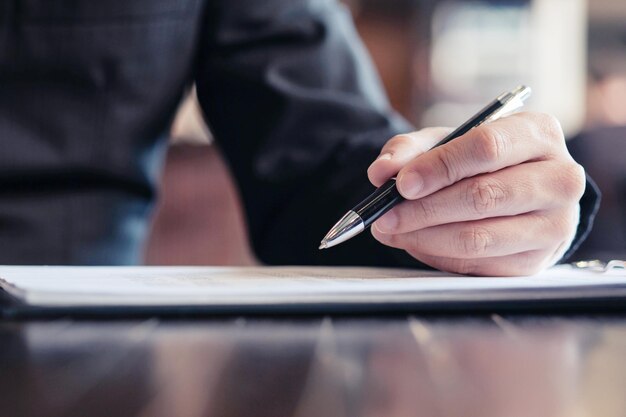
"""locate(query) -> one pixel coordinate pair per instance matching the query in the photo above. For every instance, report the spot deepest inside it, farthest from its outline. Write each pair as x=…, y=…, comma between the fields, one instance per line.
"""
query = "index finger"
x=401, y=149
x=487, y=148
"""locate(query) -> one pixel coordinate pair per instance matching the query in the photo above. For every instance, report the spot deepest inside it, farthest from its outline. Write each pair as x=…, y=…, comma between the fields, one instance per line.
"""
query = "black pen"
x=387, y=196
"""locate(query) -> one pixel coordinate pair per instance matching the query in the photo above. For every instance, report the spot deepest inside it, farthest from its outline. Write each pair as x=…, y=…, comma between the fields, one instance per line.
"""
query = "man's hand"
x=500, y=200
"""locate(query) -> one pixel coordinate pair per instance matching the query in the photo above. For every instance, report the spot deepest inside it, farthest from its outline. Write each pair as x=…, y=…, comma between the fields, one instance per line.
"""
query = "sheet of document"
x=141, y=286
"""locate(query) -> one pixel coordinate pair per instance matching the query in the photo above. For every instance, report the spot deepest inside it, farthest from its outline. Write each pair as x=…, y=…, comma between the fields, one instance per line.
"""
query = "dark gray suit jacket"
x=88, y=90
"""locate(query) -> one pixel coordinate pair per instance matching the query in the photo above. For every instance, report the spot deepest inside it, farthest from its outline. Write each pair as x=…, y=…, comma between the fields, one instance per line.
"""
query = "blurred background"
x=439, y=61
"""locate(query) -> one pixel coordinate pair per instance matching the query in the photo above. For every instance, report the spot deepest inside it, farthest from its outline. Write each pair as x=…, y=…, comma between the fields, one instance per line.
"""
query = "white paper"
x=127, y=286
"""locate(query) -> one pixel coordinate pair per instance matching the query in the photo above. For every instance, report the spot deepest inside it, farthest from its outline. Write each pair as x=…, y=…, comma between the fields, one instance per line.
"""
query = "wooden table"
x=402, y=366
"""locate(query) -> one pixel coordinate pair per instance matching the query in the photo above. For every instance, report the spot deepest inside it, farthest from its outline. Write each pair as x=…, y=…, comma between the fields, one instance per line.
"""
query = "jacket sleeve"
x=294, y=103
x=589, y=206
x=296, y=106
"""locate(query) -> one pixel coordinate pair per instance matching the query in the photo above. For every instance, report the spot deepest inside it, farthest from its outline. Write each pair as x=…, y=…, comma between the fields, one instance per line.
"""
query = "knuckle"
x=492, y=145
x=399, y=140
x=444, y=161
x=546, y=129
x=558, y=227
x=551, y=126
x=475, y=241
x=424, y=211
x=485, y=196
x=573, y=181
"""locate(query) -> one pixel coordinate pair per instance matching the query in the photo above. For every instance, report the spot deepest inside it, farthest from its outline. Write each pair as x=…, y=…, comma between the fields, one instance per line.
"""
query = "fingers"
x=493, y=237
x=500, y=200
x=511, y=191
x=401, y=149
x=488, y=148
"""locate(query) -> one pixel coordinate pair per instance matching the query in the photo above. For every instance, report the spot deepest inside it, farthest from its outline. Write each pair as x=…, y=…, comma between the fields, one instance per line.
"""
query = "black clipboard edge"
x=596, y=299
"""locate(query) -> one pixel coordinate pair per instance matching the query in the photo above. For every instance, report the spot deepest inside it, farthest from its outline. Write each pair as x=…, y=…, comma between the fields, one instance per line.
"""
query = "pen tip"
x=323, y=245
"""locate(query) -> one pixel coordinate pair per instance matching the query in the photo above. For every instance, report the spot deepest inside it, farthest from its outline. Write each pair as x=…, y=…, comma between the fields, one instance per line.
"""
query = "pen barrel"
x=378, y=203
x=476, y=120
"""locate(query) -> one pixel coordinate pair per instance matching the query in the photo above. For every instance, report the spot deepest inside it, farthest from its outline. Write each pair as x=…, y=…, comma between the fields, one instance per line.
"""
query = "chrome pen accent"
x=511, y=102
x=347, y=227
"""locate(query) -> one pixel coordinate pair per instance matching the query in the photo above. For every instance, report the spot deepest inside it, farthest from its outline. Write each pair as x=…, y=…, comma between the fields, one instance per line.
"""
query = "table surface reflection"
x=403, y=366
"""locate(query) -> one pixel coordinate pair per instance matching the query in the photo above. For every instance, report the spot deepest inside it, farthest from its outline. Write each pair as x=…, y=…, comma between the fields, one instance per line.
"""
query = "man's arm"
x=295, y=104
x=297, y=108
x=503, y=199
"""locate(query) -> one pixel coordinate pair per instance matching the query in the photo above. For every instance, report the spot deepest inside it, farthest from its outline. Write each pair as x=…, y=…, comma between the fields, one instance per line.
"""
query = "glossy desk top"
x=404, y=366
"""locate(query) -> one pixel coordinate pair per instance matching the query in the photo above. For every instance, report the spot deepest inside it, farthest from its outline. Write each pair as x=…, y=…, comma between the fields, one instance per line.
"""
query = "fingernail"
x=387, y=223
x=383, y=157
x=410, y=184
